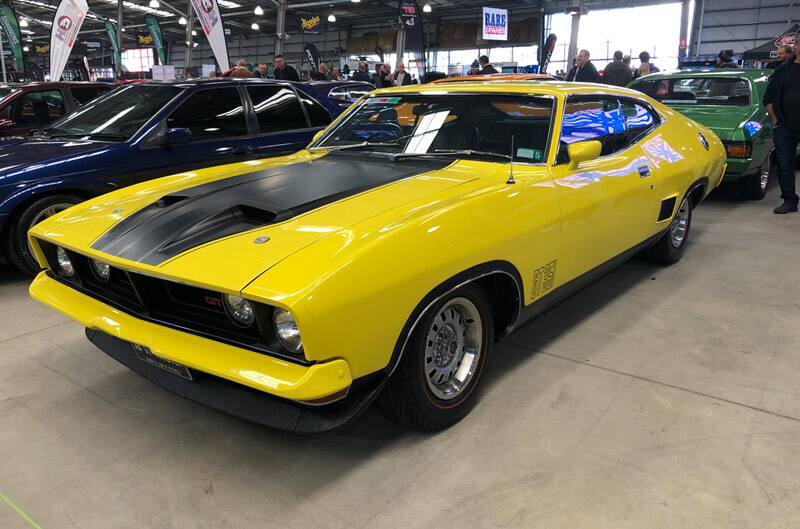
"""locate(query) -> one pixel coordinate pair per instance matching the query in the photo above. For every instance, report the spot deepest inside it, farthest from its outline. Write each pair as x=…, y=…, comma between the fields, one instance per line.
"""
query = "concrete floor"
x=658, y=397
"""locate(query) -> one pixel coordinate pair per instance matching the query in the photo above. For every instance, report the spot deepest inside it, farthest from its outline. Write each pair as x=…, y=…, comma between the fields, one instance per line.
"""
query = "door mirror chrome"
x=583, y=151
x=178, y=136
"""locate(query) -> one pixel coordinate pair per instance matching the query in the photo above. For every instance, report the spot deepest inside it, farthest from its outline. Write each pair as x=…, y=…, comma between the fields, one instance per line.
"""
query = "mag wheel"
x=436, y=383
x=755, y=187
x=17, y=241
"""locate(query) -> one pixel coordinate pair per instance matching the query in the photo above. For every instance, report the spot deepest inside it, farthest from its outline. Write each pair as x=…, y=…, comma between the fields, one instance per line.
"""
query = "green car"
x=728, y=101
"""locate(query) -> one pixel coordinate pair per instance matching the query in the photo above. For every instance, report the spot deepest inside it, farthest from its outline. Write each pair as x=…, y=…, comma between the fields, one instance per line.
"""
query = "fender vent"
x=667, y=206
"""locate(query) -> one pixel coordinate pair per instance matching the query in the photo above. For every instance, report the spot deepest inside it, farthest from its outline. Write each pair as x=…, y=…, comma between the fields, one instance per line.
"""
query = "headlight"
x=286, y=330
x=240, y=310
x=64, y=262
x=102, y=270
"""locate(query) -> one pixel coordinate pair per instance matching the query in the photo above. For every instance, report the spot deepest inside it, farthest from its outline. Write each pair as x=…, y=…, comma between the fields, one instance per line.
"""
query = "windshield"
x=419, y=124
x=115, y=116
x=714, y=91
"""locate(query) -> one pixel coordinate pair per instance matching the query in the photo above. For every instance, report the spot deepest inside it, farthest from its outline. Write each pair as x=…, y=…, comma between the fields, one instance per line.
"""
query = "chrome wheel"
x=764, y=178
x=453, y=348
x=680, y=224
x=49, y=212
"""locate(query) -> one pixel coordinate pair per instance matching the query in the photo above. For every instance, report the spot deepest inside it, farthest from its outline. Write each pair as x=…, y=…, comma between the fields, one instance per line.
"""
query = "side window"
x=317, y=114
x=277, y=108
x=37, y=108
x=85, y=94
x=593, y=119
x=638, y=120
x=209, y=114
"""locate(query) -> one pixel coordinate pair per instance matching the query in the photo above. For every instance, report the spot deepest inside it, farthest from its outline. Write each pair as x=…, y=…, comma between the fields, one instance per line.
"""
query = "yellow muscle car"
x=384, y=260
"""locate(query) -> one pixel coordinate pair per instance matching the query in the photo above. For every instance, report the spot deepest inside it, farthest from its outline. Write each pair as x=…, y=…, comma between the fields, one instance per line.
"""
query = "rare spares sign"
x=495, y=24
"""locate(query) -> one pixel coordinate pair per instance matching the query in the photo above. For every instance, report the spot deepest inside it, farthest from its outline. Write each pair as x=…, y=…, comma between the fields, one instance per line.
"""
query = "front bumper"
x=255, y=370
x=738, y=168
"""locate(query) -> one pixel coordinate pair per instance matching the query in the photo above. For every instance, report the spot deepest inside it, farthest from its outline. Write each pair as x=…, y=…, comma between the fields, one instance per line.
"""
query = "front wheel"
x=755, y=186
x=669, y=248
x=436, y=383
x=17, y=248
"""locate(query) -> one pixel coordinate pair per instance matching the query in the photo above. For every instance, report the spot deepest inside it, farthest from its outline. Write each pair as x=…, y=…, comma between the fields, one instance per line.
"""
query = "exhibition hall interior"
x=399, y=264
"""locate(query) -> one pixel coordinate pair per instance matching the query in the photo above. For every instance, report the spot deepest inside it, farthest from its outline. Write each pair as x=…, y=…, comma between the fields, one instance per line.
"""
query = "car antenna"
x=511, y=164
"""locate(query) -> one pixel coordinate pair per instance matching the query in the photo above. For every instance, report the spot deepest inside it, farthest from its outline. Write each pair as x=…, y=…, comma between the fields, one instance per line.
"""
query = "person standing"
x=583, y=71
x=261, y=71
x=361, y=74
x=785, y=53
x=401, y=77
x=283, y=71
x=725, y=59
x=616, y=73
x=646, y=67
x=335, y=74
x=782, y=101
x=321, y=73
x=240, y=70
x=486, y=66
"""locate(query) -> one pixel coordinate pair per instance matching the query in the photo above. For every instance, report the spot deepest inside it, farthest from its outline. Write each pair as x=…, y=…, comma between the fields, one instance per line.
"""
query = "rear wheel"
x=436, y=383
x=755, y=187
x=669, y=248
x=17, y=247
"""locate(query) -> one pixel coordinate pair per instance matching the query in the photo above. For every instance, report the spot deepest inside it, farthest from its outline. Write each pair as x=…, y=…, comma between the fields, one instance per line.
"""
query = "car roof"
x=550, y=88
x=497, y=77
x=53, y=84
x=215, y=81
x=711, y=72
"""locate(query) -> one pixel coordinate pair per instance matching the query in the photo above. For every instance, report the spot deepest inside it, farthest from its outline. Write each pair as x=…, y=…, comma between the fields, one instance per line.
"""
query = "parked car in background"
x=28, y=107
x=728, y=101
x=385, y=259
x=144, y=130
x=343, y=92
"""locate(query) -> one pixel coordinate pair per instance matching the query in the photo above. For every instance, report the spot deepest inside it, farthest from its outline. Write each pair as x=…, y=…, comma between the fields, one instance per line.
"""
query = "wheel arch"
x=502, y=282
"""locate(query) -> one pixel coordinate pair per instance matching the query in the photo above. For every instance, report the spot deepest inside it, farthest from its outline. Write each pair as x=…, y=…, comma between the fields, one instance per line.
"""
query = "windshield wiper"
x=106, y=136
x=460, y=152
x=353, y=146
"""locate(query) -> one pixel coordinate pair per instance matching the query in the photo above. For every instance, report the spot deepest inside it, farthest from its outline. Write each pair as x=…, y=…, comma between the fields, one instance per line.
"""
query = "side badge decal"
x=543, y=279
x=703, y=140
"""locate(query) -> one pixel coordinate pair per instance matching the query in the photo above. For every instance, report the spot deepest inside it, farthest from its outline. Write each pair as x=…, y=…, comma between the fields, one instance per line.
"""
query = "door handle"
x=644, y=171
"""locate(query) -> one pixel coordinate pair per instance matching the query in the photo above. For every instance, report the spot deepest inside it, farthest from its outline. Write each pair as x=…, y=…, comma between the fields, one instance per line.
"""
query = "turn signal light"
x=738, y=150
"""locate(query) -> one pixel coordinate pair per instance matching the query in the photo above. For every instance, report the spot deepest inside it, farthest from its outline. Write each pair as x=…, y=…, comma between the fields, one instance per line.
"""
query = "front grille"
x=183, y=307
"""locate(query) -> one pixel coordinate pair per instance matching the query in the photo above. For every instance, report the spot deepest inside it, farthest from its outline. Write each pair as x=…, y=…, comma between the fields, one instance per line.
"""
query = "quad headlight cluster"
x=64, y=262
x=242, y=313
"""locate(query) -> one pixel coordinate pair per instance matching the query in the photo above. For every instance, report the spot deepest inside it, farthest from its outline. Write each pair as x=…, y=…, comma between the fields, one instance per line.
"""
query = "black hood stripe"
x=197, y=215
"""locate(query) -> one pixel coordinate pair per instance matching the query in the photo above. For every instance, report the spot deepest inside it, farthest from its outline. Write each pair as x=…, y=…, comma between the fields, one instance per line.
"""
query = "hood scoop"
x=197, y=215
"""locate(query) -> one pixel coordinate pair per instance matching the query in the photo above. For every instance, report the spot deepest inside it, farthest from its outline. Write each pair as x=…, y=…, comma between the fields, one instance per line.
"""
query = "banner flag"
x=208, y=14
x=67, y=23
x=158, y=39
x=312, y=53
x=10, y=25
x=412, y=22
x=547, y=52
x=111, y=31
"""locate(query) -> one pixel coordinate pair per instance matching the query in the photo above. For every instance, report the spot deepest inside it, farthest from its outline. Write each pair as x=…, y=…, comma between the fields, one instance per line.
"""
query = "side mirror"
x=178, y=136
x=583, y=151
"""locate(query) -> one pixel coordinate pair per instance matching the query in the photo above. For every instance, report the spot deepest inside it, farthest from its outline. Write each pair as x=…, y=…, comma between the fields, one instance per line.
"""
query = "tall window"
x=138, y=59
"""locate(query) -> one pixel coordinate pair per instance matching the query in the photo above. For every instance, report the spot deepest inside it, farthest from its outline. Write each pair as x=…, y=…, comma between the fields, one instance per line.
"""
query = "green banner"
x=112, y=36
x=158, y=40
x=8, y=21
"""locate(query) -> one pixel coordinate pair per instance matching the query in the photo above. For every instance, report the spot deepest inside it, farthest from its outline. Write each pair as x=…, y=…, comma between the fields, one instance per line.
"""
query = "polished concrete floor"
x=656, y=398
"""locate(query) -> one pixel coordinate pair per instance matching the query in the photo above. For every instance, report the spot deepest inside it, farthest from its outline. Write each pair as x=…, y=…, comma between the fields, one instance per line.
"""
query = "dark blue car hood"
x=21, y=158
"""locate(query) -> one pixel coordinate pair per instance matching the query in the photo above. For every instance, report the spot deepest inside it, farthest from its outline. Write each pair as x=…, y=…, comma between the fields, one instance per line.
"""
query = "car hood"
x=724, y=121
x=18, y=156
x=224, y=232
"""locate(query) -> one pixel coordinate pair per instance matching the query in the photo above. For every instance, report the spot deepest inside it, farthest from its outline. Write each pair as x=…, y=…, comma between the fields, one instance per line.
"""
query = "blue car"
x=146, y=130
x=342, y=92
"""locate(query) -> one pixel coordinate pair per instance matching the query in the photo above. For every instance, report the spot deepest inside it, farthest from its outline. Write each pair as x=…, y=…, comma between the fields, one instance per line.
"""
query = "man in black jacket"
x=785, y=53
x=283, y=71
x=486, y=66
x=583, y=71
x=616, y=73
x=782, y=100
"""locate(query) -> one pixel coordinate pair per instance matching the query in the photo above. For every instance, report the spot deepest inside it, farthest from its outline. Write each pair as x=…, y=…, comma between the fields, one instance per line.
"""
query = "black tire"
x=408, y=397
x=17, y=247
x=668, y=250
x=755, y=187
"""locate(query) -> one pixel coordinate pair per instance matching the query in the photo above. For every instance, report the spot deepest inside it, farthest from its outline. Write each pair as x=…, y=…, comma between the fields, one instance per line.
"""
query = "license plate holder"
x=146, y=355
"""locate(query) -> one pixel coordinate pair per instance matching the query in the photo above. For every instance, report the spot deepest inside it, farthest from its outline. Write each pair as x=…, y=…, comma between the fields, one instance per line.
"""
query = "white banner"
x=66, y=24
x=495, y=24
x=208, y=14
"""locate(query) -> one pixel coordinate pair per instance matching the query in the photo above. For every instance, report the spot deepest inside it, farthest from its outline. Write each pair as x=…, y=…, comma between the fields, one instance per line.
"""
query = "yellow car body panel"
x=353, y=271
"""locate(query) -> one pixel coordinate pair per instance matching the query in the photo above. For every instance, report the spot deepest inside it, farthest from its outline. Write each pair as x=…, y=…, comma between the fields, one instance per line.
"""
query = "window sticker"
x=383, y=100
x=536, y=155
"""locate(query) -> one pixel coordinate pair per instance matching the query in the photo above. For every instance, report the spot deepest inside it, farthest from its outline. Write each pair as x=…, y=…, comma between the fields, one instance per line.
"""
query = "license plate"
x=146, y=355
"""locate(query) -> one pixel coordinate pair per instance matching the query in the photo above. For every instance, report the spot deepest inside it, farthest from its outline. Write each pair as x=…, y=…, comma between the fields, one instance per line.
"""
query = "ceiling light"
x=188, y=43
x=155, y=4
x=331, y=18
x=355, y=1
x=25, y=48
x=23, y=22
x=123, y=30
x=258, y=11
x=254, y=26
x=182, y=21
x=194, y=33
x=426, y=8
x=196, y=44
x=228, y=4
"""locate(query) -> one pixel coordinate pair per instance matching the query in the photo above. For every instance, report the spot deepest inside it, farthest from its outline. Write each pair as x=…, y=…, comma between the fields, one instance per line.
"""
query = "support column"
x=190, y=42
x=683, y=44
x=573, y=41
x=280, y=31
x=118, y=67
x=3, y=60
x=400, y=48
